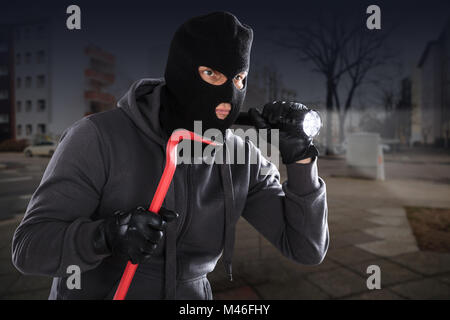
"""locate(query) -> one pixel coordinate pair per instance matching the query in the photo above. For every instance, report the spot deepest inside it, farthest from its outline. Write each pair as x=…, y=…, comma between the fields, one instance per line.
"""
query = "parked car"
x=43, y=148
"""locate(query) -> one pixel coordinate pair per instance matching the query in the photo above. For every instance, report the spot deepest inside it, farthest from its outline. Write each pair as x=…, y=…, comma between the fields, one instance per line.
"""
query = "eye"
x=211, y=76
x=238, y=77
x=208, y=72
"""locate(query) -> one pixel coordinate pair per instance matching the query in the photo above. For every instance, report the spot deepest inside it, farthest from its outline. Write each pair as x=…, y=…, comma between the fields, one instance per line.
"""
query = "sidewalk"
x=368, y=226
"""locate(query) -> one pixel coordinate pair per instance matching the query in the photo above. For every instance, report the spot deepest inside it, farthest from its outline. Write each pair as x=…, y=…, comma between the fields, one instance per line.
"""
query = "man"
x=89, y=209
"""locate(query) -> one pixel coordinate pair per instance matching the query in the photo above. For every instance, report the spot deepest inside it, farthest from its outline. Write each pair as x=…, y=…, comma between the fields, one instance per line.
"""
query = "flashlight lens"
x=312, y=124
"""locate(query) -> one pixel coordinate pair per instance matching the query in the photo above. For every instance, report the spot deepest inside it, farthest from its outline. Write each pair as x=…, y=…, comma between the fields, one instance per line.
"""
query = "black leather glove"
x=134, y=234
x=288, y=117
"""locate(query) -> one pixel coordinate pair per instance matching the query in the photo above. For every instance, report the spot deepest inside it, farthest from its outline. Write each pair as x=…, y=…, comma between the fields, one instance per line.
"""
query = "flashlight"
x=308, y=122
x=312, y=123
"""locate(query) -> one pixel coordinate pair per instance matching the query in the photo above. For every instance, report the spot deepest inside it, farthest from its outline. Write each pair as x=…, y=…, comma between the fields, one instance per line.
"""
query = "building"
x=6, y=83
x=402, y=115
x=430, y=120
x=56, y=78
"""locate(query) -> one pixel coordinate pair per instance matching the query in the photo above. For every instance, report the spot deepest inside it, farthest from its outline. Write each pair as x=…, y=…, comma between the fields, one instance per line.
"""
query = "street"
x=19, y=178
x=367, y=221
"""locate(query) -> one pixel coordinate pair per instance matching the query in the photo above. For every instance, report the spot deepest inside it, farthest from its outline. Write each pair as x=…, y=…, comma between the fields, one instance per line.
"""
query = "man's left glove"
x=288, y=117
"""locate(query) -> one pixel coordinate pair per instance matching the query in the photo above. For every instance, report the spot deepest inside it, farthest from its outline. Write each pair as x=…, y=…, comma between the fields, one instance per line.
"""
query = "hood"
x=142, y=104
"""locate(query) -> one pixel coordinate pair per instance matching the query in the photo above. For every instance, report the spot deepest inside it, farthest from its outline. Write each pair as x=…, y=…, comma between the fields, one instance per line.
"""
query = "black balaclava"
x=218, y=41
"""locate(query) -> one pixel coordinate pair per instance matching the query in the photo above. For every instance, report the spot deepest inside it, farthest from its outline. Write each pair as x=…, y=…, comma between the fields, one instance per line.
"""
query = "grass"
x=431, y=227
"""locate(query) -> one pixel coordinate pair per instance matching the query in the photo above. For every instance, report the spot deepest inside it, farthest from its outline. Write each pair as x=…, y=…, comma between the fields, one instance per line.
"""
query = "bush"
x=13, y=145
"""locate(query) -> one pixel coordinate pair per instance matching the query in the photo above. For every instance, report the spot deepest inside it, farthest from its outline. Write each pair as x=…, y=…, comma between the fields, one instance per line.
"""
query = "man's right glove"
x=134, y=234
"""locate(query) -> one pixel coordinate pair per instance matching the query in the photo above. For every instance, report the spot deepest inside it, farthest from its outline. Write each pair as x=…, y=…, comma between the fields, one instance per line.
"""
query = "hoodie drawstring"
x=170, y=254
x=227, y=184
x=170, y=267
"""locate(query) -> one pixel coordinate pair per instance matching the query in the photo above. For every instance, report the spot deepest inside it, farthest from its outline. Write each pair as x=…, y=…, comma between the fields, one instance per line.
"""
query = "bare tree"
x=360, y=55
x=337, y=50
x=322, y=43
x=388, y=94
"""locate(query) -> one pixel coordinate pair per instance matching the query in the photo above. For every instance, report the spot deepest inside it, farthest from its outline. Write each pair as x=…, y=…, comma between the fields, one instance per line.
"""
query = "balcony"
x=101, y=97
x=98, y=53
x=102, y=77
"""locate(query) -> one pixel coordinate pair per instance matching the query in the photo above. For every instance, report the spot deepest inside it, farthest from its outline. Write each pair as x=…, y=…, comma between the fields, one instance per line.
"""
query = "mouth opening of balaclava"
x=218, y=41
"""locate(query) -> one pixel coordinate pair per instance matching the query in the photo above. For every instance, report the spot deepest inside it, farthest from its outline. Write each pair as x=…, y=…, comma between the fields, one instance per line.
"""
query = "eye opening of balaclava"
x=217, y=41
x=244, y=74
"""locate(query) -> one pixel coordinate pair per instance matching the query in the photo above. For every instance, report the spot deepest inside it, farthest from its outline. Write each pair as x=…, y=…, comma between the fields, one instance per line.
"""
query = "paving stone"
x=6, y=233
x=296, y=289
x=247, y=243
x=6, y=267
x=30, y=283
x=403, y=234
x=245, y=254
x=387, y=248
x=391, y=273
x=30, y=295
x=5, y=252
x=353, y=213
x=391, y=212
x=6, y=281
x=335, y=218
x=377, y=294
x=390, y=221
x=295, y=269
x=350, y=255
x=220, y=282
x=356, y=223
x=423, y=289
x=425, y=262
x=350, y=238
x=261, y=271
x=339, y=282
x=444, y=278
x=241, y=293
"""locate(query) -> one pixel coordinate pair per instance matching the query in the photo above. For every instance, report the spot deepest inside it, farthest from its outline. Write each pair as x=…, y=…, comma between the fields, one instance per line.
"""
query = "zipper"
x=188, y=218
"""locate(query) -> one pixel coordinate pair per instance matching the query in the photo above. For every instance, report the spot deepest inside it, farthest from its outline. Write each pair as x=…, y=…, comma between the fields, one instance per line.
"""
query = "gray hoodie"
x=113, y=161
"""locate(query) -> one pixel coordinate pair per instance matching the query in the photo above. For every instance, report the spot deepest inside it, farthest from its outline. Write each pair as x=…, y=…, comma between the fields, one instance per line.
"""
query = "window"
x=41, y=31
x=28, y=82
x=28, y=106
x=40, y=81
x=19, y=129
x=19, y=106
x=40, y=56
x=17, y=33
x=4, y=118
x=27, y=58
x=27, y=33
x=28, y=129
x=4, y=94
x=41, y=129
x=18, y=83
x=41, y=105
x=18, y=59
x=3, y=70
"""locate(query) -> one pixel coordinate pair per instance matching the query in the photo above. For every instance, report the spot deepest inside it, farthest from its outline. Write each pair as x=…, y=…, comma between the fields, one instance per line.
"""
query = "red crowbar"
x=160, y=194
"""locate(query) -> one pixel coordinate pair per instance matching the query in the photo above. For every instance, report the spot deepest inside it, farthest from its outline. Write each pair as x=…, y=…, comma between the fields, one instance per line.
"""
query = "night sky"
x=139, y=32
